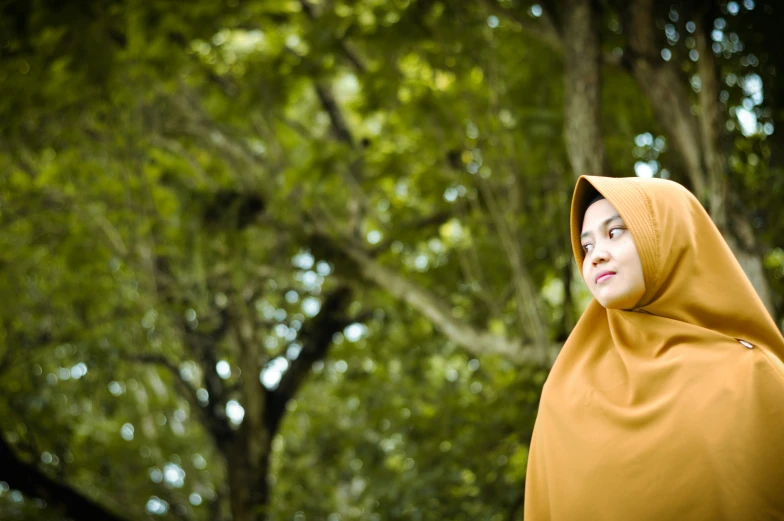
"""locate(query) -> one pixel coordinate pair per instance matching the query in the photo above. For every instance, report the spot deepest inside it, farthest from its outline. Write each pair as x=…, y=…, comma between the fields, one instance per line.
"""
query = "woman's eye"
x=615, y=232
x=587, y=247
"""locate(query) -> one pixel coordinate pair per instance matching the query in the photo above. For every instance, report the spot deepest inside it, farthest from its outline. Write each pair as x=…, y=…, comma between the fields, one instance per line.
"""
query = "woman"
x=667, y=400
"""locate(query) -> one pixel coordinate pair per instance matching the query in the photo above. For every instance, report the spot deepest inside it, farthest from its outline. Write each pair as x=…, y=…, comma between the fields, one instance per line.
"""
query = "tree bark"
x=583, y=89
x=695, y=139
x=711, y=126
x=248, y=477
x=316, y=339
x=665, y=88
x=247, y=456
x=247, y=453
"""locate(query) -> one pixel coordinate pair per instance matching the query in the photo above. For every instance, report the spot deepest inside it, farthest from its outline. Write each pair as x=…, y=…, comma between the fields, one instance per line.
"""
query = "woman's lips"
x=604, y=276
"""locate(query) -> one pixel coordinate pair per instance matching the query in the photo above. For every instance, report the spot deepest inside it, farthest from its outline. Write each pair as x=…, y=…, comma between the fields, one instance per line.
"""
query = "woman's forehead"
x=598, y=214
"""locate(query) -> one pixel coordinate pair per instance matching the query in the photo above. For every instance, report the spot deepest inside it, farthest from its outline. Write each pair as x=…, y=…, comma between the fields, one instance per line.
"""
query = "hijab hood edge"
x=636, y=210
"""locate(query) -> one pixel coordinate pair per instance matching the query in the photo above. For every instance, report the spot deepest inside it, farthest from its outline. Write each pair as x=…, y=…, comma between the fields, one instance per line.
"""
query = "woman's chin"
x=618, y=302
x=610, y=301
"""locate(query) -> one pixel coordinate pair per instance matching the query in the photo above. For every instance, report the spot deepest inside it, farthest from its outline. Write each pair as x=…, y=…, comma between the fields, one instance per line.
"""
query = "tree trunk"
x=247, y=453
x=695, y=139
x=583, y=89
x=247, y=477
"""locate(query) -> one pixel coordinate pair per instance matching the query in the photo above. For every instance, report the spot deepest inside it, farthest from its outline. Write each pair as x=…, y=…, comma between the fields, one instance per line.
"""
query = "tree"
x=293, y=259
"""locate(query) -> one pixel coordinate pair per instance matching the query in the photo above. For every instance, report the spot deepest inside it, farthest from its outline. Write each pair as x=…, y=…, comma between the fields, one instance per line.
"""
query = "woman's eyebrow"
x=602, y=225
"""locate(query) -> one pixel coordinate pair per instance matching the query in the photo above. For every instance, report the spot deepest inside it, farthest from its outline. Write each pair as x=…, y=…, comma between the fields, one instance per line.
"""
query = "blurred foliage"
x=163, y=164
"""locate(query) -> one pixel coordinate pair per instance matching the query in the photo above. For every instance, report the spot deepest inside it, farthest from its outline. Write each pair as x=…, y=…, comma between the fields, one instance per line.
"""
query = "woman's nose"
x=599, y=255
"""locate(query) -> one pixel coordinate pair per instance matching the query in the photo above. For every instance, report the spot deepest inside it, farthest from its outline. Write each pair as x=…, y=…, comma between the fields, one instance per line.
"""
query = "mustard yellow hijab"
x=673, y=410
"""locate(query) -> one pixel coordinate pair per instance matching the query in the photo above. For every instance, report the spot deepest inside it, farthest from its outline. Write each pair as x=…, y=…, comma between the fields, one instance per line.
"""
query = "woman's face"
x=612, y=268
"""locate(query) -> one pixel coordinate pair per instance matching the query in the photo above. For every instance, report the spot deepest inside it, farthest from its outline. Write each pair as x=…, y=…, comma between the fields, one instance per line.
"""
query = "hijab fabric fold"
x=672, y=410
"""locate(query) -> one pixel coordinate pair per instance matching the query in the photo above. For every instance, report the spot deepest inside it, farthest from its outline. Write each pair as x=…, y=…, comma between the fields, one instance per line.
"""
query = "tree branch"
x=339, y=126
x=435, y=219
x=357, y=205
x=28, y=479
x=473, y=340
x=711, y=125
x=316, y=337
x=203, y=345
x=199, y=125
x=665, y=89
x=216, y=425
x=532, y=320
x=345, y=46
x=543, y=30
